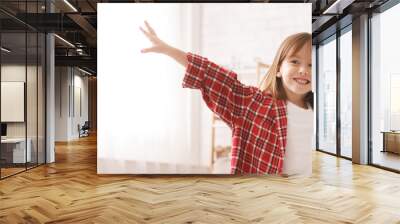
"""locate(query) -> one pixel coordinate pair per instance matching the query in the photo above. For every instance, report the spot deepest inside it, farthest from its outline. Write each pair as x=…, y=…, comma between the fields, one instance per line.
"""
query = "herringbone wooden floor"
x=70, y=191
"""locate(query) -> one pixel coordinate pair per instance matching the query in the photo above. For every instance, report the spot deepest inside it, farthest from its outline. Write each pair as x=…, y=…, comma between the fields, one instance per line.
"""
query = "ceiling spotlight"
x=5, y=50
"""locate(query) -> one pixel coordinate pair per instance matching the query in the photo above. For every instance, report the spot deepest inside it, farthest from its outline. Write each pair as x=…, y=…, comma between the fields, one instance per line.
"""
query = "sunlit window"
x=327, y=96
x=345, y=94
x=385, y=84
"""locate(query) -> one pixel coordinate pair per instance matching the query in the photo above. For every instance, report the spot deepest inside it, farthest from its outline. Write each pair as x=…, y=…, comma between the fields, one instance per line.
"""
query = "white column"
x=50, y=99
x=50, y=92
x=360, y=90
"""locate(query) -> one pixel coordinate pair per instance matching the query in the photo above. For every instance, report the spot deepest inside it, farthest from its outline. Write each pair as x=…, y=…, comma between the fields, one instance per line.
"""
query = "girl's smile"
x=302, y=81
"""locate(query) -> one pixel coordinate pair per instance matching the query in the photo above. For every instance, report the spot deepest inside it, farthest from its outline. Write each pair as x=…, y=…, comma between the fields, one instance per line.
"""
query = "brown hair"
x=273, y=84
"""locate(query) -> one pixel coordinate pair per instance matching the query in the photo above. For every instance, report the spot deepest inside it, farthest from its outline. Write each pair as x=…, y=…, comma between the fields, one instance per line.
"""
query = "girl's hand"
x=159, y=46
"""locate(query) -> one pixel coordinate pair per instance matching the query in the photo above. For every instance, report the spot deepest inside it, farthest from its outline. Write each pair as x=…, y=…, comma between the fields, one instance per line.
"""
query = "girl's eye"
x=309, y=65
x=294, y=62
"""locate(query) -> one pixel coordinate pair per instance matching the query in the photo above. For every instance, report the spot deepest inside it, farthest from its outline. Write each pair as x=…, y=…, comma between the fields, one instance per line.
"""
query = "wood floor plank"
x=70, y=191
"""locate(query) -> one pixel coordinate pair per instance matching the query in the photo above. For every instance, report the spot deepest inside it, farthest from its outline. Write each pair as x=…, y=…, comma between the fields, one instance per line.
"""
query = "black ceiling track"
x=44, y=22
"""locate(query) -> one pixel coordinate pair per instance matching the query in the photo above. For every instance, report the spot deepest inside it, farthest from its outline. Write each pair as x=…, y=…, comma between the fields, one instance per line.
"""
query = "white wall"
x=246, y=32
x=67, y=81
x=80, y=83
x=61, y=103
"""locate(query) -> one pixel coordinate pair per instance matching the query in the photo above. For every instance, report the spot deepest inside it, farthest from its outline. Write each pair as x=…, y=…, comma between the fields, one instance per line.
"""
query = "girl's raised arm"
x=221, y=90
x=161, y=47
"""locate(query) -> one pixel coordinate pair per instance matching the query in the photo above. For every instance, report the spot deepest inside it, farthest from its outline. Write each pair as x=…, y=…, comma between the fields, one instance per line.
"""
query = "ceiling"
x=76, y=22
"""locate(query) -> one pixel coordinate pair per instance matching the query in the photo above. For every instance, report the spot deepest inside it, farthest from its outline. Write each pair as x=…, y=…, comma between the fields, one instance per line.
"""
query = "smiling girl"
x=271, y=125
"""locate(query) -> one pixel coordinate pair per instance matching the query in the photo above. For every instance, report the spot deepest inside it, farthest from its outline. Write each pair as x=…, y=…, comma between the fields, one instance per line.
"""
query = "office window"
x=385, y=89
x=327, y=95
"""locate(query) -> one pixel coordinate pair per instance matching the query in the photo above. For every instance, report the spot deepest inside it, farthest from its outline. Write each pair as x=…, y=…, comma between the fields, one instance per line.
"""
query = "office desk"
x=15, y=148
x=391, y=141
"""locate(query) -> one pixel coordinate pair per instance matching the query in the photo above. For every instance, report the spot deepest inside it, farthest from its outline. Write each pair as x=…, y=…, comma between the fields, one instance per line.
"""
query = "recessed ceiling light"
x=5, y=50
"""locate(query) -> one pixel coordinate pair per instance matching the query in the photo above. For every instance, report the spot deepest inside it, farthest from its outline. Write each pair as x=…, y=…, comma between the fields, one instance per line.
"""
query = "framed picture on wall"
x=12, y=101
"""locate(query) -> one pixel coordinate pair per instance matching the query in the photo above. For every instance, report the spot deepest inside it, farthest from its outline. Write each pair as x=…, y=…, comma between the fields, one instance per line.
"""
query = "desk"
x=15, y=148
x=391, y=141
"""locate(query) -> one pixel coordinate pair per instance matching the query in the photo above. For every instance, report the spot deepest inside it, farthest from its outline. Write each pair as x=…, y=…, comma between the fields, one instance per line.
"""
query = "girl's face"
x=295, y=71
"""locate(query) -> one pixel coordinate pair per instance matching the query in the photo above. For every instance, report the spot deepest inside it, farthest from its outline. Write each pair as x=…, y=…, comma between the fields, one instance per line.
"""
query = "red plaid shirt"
x=257, y=121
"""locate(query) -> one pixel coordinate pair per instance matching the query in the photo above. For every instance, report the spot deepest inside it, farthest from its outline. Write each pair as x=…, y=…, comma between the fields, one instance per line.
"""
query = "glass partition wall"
x=13, y=110
x=22, y=87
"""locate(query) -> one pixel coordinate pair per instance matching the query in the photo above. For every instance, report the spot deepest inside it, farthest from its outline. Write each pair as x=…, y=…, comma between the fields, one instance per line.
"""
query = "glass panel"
x=385, y=86
x=327, y=96
x=23, y=89
x=346, y=94
x=13, y=87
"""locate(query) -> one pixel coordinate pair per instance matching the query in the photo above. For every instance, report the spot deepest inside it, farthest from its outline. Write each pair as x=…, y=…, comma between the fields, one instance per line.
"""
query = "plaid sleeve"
x=221, y=90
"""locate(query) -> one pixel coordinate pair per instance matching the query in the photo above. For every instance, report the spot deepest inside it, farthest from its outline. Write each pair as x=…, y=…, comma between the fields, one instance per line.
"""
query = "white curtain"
x=142, y=107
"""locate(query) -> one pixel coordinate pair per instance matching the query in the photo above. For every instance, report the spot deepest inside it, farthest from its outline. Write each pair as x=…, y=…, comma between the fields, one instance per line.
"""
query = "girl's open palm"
x=158, y=45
